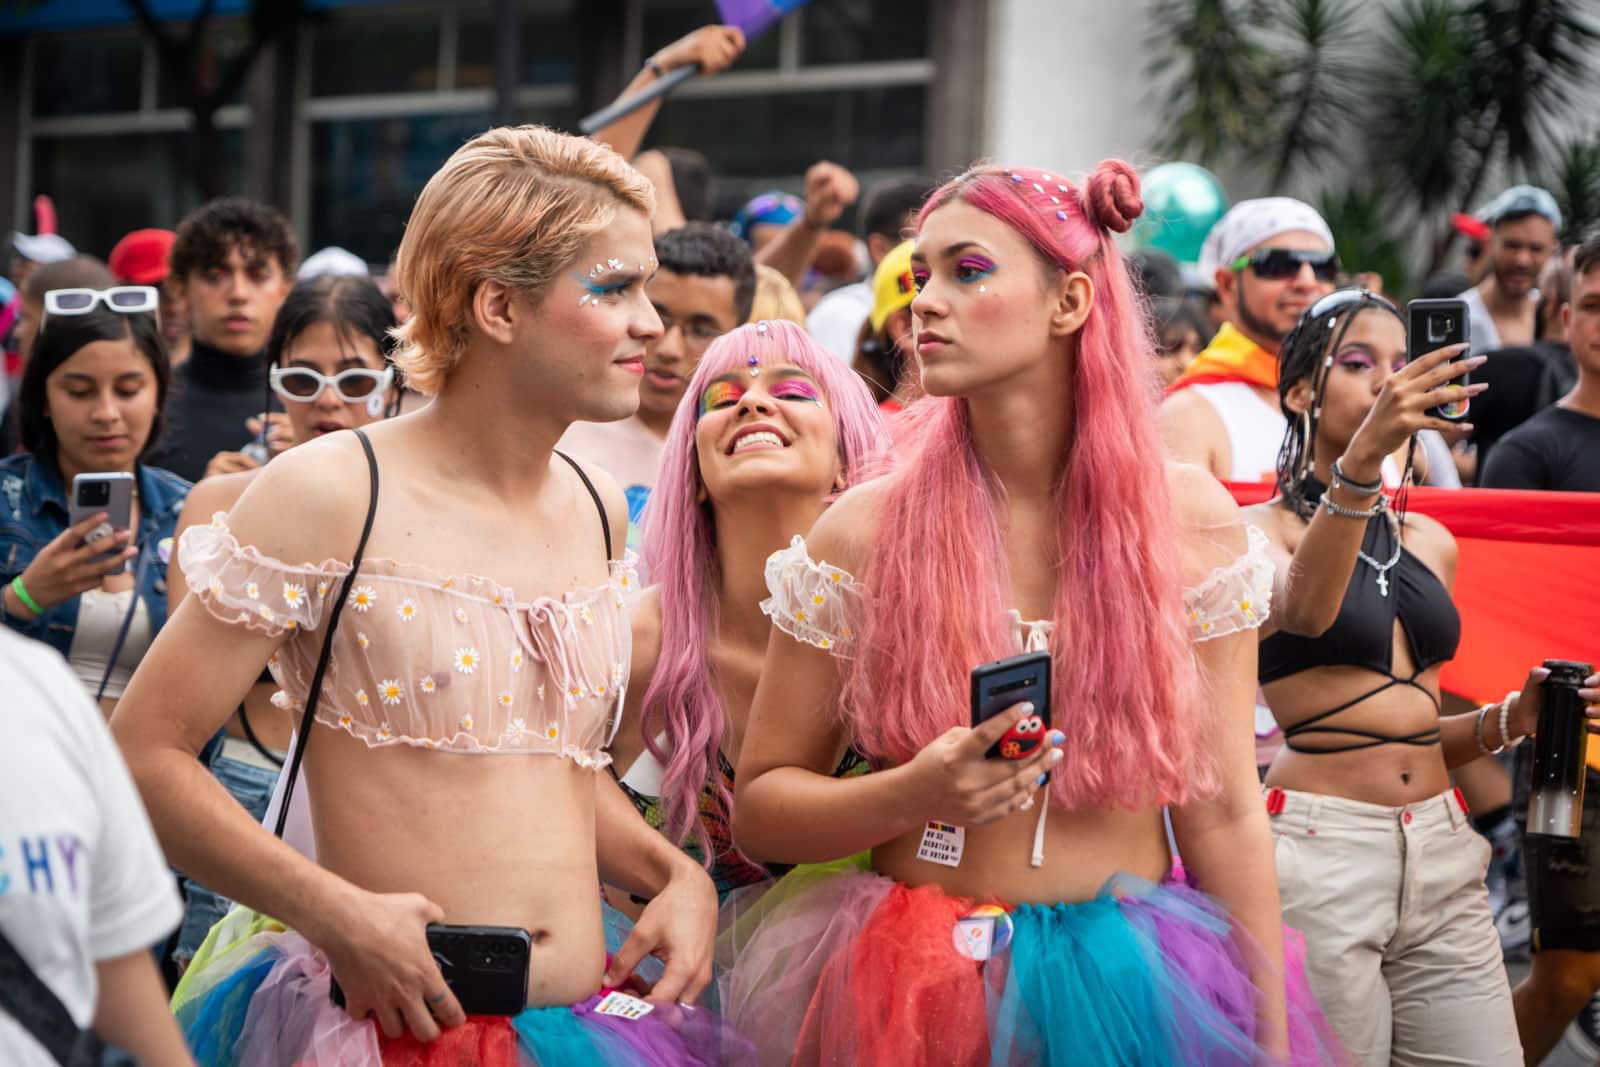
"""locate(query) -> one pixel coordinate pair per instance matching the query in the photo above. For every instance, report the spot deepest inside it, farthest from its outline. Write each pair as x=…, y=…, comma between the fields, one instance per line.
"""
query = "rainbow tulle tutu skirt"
x=256, y=995
x=837, y=965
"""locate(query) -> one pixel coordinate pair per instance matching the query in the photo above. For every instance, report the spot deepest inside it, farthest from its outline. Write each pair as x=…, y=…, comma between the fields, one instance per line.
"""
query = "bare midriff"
x=1391, y=775
x=1082, y=850
x=495, y=840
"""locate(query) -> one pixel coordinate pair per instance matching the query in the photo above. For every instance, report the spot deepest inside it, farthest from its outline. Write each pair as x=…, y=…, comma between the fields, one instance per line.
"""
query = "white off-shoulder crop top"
x=821, y=604
x=457, y=664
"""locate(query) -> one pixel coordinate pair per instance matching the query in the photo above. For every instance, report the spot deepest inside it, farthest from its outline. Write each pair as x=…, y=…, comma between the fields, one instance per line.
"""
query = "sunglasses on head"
x=127, y=299
x=303, y=385
x=1276, y=264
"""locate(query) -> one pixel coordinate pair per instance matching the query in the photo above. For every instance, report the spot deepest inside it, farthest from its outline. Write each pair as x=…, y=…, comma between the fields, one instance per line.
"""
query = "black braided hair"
x=1307, y=353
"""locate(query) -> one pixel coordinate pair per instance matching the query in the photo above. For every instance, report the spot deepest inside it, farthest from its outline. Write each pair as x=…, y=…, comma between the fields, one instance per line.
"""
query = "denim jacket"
x=33, y=512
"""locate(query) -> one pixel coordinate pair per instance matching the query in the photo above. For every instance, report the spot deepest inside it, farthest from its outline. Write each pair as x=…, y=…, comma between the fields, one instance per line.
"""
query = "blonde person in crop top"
x=477, y=664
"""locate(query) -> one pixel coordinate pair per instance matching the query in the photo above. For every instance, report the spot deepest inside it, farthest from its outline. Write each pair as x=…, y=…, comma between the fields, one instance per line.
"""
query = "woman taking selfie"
x=460, y=676
x=1377, y=865
x=1032, y=512
x=91, y=400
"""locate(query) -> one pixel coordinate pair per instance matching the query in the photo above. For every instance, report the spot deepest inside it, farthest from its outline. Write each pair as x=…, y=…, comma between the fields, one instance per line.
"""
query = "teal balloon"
x=1181, y=204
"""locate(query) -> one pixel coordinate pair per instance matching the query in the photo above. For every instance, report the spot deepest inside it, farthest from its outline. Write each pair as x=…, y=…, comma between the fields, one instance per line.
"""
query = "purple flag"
x=756, y=17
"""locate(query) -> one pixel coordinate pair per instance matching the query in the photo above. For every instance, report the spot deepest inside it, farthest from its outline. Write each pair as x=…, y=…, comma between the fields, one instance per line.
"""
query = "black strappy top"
x=1363, y=636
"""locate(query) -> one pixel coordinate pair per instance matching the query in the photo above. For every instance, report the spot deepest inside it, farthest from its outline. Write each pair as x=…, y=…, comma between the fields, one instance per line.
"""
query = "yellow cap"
x=892, y=287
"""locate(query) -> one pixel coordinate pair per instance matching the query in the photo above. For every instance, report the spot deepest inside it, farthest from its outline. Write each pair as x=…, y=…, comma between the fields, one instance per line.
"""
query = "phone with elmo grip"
x=486, y=967
x=999, y=685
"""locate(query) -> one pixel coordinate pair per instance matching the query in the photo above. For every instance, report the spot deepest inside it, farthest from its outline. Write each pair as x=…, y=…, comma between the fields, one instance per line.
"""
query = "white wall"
x=1067, y=83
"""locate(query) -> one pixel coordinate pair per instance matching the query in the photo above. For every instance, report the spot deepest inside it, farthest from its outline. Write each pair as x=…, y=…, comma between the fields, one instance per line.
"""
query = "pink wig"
x=1126, y=690
x=679, y=549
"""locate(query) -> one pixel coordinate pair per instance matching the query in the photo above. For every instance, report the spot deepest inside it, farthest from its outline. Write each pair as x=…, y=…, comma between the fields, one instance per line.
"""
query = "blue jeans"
x=252, y=787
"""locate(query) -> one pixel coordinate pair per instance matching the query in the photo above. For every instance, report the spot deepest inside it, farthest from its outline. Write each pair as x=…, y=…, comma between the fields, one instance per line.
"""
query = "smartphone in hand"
x=1430, y=326
x=486, y=967
x=111, y=493
x=1005, y=683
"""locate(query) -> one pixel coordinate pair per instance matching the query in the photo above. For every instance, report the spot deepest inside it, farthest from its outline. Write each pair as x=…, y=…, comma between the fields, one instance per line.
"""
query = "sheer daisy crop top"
x=820, y=604
x=455, y=663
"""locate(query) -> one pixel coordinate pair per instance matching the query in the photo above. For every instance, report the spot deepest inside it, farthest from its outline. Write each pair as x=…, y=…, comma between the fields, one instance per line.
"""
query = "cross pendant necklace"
x=1383, y=568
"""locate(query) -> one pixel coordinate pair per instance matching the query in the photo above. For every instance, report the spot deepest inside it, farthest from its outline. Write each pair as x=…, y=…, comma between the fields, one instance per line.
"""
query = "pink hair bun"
x=1112, y=196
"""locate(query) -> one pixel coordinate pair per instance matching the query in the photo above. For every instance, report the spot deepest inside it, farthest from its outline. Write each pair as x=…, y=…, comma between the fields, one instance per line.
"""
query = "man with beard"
x=1502, y=308
x=1269, y=259
x=704, y=287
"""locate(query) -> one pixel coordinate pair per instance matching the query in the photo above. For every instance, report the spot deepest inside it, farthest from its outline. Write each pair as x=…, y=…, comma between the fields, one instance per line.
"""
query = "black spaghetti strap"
x=1309, y=726
x=605, y=523
x=315, y=692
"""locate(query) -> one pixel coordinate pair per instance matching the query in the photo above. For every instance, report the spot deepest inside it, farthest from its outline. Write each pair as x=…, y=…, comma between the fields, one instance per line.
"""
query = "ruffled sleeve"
x=817, y=603
x=241, y=586
x=1233, y=597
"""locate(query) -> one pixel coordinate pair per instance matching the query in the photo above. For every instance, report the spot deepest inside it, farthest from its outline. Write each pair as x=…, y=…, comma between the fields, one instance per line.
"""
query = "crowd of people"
x=602, y=584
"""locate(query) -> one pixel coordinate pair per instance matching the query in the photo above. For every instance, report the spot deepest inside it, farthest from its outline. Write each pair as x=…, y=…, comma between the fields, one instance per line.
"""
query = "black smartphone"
x=486, y=967
x=999, y=685
x=111, y=493
x=1430, y=326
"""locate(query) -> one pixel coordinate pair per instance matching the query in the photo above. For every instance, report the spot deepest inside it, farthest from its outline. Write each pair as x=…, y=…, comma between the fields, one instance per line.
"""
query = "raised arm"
x=715, y=48
x=1314, y=583
x=829, y=190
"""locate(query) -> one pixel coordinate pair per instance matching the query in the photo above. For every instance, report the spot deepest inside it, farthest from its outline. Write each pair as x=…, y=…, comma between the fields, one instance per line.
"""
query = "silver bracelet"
x=1341, y=480
x=1355, y=513
x=1477, y=732
x=1505, y=718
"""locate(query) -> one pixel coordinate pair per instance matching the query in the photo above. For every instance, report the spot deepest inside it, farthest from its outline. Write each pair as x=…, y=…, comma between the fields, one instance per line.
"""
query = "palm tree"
x=1218, y=83
x=1319, y=82
x=1574, y=178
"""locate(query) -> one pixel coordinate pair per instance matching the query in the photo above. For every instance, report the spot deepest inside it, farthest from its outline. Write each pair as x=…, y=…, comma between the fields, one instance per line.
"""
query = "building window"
x=91, y=74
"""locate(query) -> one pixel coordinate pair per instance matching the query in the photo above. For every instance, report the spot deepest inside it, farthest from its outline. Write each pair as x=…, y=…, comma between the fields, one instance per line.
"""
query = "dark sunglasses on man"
x=1278, y=264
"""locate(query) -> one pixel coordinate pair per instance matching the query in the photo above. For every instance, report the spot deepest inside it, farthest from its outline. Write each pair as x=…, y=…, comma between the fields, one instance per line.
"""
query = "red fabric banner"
x=1524, y=583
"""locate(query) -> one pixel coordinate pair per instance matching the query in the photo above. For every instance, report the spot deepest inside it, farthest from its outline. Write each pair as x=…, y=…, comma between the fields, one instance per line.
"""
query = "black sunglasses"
x=1277, y=264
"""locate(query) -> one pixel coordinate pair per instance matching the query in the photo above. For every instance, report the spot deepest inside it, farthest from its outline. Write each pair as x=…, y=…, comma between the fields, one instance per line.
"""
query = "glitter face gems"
x=720, y=395
x=755, y=366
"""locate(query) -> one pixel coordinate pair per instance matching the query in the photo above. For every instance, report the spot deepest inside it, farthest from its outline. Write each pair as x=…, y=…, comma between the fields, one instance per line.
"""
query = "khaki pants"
x=1401, y=949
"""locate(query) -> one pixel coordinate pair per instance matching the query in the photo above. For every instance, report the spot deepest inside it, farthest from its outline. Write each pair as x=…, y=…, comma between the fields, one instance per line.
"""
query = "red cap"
x=1470, y=226
x=141, y=257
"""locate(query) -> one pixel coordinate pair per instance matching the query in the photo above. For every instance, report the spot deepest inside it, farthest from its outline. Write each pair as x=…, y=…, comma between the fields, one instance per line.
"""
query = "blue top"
x=33, y=512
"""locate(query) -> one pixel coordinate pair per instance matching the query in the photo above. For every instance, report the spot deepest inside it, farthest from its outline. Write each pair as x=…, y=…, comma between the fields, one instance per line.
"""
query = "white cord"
x=1038, y=832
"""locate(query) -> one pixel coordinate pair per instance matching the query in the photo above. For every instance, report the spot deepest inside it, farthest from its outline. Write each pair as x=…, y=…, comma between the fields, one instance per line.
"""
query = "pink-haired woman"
x=771, y=428
x=998, y=921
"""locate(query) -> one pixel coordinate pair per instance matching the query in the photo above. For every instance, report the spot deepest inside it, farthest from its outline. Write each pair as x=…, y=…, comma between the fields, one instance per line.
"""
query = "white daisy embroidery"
x=517, y=731
x=499, y=600
x=504, y=698
x=362, y=597
x=617, y=672
x=214, y=587
x=466, y=660
x=252, y=590
x=427, y=684
x=516, y=659
x=264, y=611
x=344, y=720
x=407, y=610
x=541, y=691
x=322, y=589
x=361, y=639
x=465, y=722
x=461, y=615
x=552, y=732
x=389, y=691
x=384, y=732
x=293, y=595
x=587, y=614
x=361, y=697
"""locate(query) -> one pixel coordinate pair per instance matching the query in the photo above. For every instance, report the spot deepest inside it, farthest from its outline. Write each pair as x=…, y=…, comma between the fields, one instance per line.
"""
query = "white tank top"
x=100, y=616
x=1255, y=429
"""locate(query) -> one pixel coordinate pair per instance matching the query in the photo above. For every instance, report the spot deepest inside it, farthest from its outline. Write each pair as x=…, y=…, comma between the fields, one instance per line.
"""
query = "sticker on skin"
x=942, y=843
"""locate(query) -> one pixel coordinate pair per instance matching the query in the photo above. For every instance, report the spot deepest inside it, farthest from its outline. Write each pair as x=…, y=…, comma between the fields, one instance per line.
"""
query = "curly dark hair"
x=711, y=252
x=209, y=232
x=1304, y=356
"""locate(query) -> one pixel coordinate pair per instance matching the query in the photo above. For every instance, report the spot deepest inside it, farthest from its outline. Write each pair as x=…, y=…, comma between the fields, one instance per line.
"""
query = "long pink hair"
x=679, y=549
x=1126, y=690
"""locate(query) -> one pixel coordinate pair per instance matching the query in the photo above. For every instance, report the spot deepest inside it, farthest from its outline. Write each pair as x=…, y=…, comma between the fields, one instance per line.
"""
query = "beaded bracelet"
x=1477, y=732
x=1355, y=513
x=22, y=595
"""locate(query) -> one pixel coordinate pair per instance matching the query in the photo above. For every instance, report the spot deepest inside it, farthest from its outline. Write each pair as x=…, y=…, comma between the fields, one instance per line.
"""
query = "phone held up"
x=111, y=493
x=1005, y=683
x=1430, y=326
x=486, y=967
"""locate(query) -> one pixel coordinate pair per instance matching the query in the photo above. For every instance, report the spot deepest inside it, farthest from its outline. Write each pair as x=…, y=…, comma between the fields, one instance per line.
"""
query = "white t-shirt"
x=835, y=323
x=1482, y=334
x=81, y=876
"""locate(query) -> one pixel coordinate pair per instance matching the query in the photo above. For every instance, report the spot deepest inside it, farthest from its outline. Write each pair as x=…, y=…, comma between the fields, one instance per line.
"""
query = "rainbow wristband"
x=22, y=595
